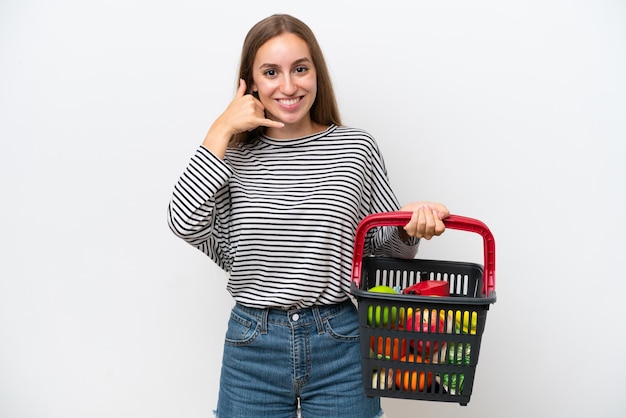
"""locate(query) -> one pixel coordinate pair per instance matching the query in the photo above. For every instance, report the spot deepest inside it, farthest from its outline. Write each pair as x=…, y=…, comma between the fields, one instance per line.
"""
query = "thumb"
x=241, y=90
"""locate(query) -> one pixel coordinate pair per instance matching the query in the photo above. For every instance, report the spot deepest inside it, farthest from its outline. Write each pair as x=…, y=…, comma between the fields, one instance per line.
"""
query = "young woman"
x=273, y=196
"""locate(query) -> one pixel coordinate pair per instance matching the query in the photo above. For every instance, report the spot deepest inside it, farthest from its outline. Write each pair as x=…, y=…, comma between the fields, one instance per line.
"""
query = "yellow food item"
x=462, y=322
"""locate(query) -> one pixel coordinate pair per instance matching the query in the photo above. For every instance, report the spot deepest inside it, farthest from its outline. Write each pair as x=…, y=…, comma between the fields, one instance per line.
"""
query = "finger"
x=259, y=119
x=411, y=227
x=434, y=225
x=412, y=224
x=241, y=90
x=440, y=227
x=262, y=120
x=268, y=123
x=442, y=211
x=427, y=222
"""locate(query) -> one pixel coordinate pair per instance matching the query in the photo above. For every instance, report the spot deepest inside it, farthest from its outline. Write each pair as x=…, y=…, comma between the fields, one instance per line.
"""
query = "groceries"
x=413, y=362
x=375, y=317
x=409, y=380
x=453, y=382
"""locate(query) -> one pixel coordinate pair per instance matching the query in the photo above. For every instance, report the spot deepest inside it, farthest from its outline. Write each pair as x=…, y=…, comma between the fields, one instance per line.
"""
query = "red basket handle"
x=401, y=218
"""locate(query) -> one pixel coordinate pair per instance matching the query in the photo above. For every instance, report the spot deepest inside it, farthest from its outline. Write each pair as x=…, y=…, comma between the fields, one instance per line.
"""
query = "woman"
x=273, y=196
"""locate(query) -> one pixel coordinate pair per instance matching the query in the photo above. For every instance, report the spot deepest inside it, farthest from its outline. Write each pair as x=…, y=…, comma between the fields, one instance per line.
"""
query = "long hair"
x=324, y=110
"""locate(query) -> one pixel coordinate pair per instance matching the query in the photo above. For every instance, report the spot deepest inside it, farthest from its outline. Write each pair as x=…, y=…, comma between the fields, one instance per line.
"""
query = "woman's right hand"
x=244, y=113
x=426, y=220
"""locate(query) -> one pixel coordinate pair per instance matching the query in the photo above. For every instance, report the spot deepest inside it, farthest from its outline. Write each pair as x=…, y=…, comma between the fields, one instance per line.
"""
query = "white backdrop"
x=511, y=112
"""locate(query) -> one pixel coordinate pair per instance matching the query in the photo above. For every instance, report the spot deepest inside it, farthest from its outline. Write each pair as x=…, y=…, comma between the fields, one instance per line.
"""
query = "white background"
x=512, y=112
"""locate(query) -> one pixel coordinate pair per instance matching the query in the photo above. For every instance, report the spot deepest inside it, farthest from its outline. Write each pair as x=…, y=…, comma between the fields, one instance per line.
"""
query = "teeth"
x=289, y=102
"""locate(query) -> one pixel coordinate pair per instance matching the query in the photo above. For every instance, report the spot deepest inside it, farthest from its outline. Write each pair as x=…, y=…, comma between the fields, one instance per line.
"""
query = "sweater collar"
x=296, y=141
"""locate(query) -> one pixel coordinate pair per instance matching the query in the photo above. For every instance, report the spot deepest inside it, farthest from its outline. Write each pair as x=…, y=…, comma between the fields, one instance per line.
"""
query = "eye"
x=270, y=73
x=301, y=69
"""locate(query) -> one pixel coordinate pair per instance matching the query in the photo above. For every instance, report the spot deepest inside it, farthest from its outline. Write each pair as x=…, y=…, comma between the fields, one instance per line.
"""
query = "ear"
x=254, y=88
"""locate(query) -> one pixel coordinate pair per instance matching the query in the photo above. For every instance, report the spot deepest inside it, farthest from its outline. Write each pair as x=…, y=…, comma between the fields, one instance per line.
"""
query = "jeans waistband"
x=295, y=316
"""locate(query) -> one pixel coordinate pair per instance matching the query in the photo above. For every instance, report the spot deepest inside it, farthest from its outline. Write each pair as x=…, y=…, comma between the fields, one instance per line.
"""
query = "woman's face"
x=284, y=78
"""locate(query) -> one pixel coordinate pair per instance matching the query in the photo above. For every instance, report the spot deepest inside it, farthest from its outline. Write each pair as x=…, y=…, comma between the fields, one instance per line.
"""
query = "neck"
x=290, y=131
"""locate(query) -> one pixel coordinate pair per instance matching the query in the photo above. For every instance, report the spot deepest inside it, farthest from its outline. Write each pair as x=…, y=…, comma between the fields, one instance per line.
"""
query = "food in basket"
x=459, y=353
x=408, y=380
x=453, y=382
x=429, y=288
x=432, y=322
x=382, y=289
x=386, y=348
x=383, y=379
x=460, y=356
x=376, y=318
x=464, y=317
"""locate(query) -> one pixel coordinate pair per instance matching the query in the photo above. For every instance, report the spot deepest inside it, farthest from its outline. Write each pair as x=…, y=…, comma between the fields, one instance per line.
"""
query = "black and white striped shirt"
x=280, y=215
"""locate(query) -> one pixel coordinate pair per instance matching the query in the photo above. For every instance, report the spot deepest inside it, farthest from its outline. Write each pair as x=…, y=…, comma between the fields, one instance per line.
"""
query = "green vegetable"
x=450, y=380
x=375, y=316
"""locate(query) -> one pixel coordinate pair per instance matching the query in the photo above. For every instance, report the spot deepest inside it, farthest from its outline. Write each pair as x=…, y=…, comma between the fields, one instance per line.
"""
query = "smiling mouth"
x=289, y=102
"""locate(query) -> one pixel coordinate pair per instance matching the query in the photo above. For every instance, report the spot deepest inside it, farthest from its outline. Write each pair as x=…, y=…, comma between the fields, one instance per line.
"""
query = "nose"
x=288, y=86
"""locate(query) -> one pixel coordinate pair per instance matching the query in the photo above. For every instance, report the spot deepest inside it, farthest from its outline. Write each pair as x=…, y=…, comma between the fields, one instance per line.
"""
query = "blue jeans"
x=278, y=360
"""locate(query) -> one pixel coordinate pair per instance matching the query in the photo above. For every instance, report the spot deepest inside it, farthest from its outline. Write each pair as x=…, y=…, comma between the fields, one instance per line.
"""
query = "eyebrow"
x=296, y=62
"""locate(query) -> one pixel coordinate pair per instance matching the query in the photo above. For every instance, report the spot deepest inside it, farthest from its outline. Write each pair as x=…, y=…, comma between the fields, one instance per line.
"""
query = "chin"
x=289, y=120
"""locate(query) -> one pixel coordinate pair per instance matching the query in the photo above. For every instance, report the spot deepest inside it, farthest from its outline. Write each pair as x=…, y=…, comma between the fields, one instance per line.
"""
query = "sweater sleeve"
x=198, y=211
x=386, y=241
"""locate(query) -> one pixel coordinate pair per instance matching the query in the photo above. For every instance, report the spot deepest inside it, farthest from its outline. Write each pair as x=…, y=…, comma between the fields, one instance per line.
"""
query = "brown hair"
x=324, y=110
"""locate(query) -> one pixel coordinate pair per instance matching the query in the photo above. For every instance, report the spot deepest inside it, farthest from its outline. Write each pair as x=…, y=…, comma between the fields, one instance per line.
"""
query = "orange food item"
x=384, y=347
x=409, y=380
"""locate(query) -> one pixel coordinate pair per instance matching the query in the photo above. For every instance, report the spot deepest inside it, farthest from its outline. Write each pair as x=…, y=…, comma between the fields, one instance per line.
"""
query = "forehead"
x=282, y=50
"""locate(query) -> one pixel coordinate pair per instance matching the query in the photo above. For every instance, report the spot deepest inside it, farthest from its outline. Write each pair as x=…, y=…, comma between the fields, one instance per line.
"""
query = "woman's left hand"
x=427, y=219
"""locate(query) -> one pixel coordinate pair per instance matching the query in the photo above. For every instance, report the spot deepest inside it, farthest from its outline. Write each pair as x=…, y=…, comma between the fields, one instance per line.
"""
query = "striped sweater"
x=280, y=215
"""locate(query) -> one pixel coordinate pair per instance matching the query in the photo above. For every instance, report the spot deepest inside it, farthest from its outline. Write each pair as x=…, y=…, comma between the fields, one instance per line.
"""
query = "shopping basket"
x=414, y=346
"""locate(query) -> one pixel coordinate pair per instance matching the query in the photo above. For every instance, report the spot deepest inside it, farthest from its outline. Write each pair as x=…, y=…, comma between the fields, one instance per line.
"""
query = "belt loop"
x=318, y=319
x=264, y=314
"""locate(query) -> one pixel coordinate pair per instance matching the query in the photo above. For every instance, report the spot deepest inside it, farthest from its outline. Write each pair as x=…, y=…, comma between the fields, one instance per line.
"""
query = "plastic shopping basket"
x=421, y=347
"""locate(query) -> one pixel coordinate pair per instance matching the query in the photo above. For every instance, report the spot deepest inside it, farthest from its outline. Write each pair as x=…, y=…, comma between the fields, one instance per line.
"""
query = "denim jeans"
x=276, y=361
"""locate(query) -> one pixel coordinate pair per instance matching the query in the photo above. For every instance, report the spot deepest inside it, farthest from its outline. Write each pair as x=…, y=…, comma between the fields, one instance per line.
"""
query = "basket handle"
x=401, y=218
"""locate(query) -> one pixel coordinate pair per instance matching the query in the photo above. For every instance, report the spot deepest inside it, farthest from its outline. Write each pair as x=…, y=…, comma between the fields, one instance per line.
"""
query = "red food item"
x=436, y=324
x=429, y=288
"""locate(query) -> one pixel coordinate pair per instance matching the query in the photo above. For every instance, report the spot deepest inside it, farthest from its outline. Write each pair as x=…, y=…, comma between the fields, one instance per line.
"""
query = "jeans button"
x=295, y=317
